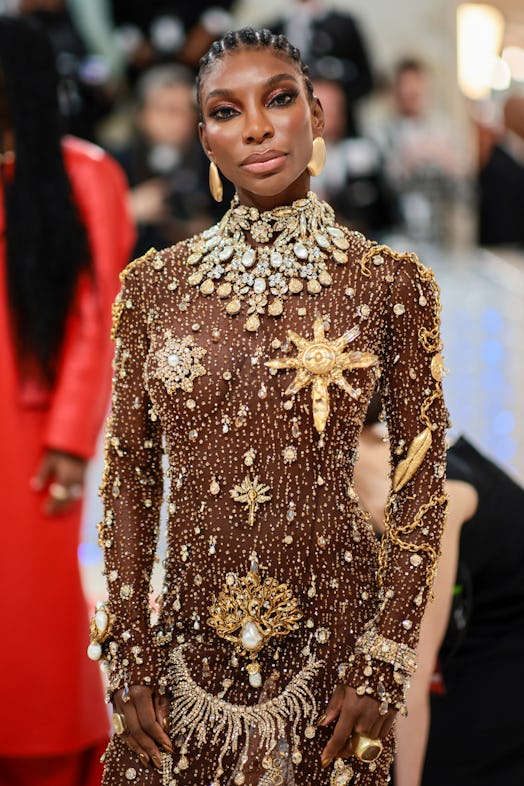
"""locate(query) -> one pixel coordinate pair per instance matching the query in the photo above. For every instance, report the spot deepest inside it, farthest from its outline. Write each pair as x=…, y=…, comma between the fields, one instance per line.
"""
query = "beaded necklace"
x=294, y=245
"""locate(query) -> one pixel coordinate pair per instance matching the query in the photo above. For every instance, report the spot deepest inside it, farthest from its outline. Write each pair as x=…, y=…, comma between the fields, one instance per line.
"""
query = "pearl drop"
x=255, y=679
x=101, y=621
x=94, y=651
x=251, y=637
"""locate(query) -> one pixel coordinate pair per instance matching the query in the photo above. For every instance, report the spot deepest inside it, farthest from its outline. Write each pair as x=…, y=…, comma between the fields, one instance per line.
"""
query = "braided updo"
x=247, y=37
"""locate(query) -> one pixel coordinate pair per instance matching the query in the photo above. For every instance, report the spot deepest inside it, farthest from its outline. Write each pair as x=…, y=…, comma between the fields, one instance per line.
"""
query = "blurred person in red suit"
x=64, y=236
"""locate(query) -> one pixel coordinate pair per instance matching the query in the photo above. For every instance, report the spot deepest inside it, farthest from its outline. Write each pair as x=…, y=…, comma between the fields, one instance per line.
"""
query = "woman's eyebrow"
x=225, y=93
x=220, y=91
x=280, y=78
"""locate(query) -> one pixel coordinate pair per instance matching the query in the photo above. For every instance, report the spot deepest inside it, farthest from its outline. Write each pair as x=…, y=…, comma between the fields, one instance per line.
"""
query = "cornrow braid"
x=248, y=37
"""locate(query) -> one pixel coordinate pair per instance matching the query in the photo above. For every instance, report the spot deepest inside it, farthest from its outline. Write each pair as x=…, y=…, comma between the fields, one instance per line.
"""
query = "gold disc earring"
x=215, y=184
x=318, y=157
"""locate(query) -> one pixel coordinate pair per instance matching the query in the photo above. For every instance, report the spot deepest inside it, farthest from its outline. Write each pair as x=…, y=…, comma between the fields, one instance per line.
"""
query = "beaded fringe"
x=205, y=718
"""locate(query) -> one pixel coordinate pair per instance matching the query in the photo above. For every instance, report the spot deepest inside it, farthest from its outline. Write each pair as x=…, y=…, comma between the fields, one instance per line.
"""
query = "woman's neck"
x=297, y=190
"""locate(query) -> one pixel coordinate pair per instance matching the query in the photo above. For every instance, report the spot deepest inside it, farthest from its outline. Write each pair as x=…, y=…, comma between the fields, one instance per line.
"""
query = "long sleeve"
x=412, y=371
x=80, y=397
x=131, y=490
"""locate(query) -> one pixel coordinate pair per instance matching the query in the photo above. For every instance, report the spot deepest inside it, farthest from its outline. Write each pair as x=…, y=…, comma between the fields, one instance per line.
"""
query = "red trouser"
x=75, y=769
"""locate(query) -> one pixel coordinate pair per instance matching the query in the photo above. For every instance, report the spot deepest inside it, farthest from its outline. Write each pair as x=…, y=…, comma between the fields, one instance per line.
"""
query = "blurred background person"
x=84, y=89
x=422, y=162
x=352, y=179
x=164, y=162
x=165, y=31
x=65, y=235
x=330, y=41
x=475, y=736
x=474, y=628
x=501, y=180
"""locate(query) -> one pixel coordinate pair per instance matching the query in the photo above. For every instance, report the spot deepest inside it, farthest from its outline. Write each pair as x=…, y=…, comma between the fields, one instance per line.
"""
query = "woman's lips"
x=266, y=163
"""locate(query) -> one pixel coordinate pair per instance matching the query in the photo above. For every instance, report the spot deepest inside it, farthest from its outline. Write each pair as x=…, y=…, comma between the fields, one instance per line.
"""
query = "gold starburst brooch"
x=322, y=363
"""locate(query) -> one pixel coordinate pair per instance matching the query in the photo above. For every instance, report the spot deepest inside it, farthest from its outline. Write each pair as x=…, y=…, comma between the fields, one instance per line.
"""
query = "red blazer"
x=41, y=600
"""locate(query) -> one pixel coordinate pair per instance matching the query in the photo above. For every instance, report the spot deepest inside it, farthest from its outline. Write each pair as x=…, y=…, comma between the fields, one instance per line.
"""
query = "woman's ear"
x=203, y=140
x=317, y=117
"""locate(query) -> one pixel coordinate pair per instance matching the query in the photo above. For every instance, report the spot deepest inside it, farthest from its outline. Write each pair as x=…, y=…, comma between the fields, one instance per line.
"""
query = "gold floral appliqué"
x=179, y=363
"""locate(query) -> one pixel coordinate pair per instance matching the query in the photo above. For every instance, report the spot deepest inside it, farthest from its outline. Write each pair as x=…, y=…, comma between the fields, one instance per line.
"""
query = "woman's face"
x=258, y=125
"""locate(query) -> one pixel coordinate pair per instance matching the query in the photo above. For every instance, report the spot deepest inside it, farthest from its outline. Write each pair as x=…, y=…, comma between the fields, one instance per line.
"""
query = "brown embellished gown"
x=190, y=381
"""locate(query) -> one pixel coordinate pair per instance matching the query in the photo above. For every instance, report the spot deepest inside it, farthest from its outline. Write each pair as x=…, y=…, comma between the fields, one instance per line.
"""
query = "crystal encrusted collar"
x=294, y=245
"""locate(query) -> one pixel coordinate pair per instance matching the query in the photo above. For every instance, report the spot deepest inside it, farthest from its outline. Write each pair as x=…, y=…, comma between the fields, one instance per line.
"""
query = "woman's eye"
x=282, y=99
x=223, y=112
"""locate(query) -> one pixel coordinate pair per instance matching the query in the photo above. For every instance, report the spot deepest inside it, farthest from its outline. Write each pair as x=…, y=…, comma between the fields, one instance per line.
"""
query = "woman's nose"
x=257, y=127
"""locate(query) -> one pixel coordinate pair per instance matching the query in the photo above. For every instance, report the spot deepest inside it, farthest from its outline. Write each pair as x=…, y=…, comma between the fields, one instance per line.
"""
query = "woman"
x=490, y=649
x=65, y=233
x=372, y=485
x=484, y=577
x=283, y=631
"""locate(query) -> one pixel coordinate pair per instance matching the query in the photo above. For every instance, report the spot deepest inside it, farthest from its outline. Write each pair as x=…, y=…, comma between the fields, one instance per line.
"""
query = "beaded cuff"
x=377, y=680
x=124, y=662
x=380, y=668
x=400, y=656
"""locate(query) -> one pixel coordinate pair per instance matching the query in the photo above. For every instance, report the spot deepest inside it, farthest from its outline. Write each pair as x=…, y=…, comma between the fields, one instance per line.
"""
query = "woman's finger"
x=139, y=740
x=138, y=751
x=389, y=721
x=346, y=751
x=340, y=736
x=145, y=710
x=62, y=497
x=65, y=476
x=375, y=729
x=162, y=702
x=41, y=475
x=334, y=707
x=382, y=725
x=127, y=710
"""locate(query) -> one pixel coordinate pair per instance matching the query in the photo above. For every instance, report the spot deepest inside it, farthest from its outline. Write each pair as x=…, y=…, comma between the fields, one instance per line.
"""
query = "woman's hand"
x=65, y=475
x=146, y=719
x=355, y=714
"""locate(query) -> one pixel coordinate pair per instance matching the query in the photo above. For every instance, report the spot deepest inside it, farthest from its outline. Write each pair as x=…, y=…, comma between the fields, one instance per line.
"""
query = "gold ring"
x=366, y=748
x=119, y=723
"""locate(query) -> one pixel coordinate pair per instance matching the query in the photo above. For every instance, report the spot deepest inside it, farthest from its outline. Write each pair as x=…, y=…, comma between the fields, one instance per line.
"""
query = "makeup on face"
x=258, y=124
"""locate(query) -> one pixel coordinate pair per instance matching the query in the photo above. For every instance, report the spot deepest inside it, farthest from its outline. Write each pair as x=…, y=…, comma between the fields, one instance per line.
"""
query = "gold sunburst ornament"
x=321, y=363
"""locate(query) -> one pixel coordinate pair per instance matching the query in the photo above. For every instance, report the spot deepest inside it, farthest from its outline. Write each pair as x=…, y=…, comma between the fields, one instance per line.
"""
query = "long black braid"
x=46, y=242
x=247, y=37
